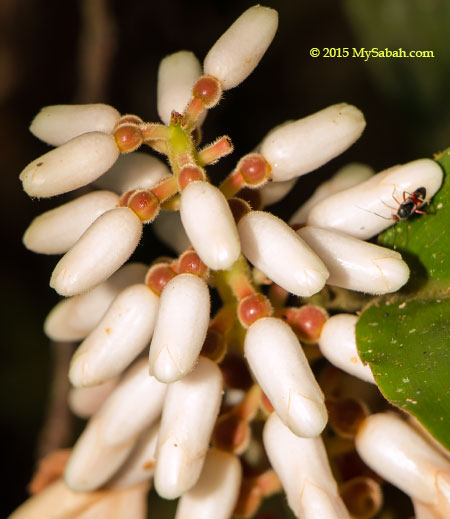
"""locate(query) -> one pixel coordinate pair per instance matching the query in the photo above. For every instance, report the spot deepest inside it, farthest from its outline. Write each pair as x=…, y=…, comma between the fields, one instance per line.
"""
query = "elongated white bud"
x=238, y=51
x=92, y=462
x=337, y=343
x=177, y=75
x=58, y=124
x=355, y=264
x=299, y=147
x=86, y=401
x=102, y=249
x=181, y=327
x=273, y=192
x=139, y=467
x=135, y=170
x=209, y=225
x=135, y=404
x=190, y=411
x=56, y=501
x=277, y=360
x=120, y=336
x=275, y=249
x=217, y=490
x=345, y=178
x=74, y=164
x=393, y=449
x=170, y=231
x=304, y=472
x=74, y=318
x=120, y=504
x=57, y=230
x=368, y=208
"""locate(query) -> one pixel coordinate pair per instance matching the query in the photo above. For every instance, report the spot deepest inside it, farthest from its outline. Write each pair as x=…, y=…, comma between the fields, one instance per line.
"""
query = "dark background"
x=54, y=52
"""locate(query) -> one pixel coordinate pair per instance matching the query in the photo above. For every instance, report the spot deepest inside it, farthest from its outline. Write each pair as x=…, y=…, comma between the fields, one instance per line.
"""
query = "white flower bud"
x=368, y=208
x=393, y=449
x=137, y=170
x=57, y=230
x=56, y=501
x=304, y=472
x=74, y=318
x=238, y=51
x=217, y=490
x=120, y=504
x=102, y=249
x=275, y=249
x=277, y=360
x=181, y=327
x=273, y=192
x=177, y=75
x=337, y=343
x=134, y=405
x=355, y=264
x=346, y=177
x=92, y=462
x=209, y=225
x=139, y=467
x=74, y=164
x=190, y=412
x=86, y=401
x=170, y=231
x=58, y=124
x=299, y=147
x=121, y=335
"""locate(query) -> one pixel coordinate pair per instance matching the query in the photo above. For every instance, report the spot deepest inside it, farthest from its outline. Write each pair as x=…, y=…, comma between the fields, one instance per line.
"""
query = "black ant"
x=410, y=204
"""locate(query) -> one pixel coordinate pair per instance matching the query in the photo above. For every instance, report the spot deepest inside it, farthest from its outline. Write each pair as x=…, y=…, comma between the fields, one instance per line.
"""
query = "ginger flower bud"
x=58, y=124
x=238, y=51
x=345, y=178
x=124, y=331
x=355, y=264
x=57, y=230
x=136, y=170
x=304, y=472
x=190, y=411
x=298, y=147
x=398, y=453
x=181, y=327
x=282, y=370
x=337, y=343
x=216, y=492
x=100, y=251
x=135, y=404
x=74, y=318
x=275, y=249
x=177, y=75
x=209, y=225
x=368, y=208
x=74, y=164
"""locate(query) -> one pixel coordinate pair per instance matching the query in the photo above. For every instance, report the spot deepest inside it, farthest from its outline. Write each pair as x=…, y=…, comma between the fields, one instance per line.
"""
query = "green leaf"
x=405, y=337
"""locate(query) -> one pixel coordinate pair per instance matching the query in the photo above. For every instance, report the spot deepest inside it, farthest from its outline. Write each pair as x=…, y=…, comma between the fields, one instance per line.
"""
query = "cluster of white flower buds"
x=165, y=420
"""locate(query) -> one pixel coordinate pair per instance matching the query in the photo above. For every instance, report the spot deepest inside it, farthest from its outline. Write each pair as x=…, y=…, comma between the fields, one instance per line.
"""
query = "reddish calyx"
x=142, y=202
x=306, y=321
x=190, y=174
x=128, y=137
x=158, y=276
x=252, y=308
x=255, y=169
x=190, y=263
x=208, y=89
